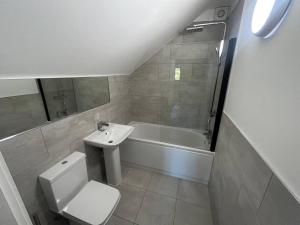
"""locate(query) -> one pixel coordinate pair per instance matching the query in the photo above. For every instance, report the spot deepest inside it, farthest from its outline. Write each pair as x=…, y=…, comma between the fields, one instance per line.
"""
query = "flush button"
x=64, y=162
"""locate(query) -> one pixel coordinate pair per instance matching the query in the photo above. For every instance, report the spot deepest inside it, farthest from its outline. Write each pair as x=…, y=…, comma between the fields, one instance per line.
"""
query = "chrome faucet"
x=100, y=125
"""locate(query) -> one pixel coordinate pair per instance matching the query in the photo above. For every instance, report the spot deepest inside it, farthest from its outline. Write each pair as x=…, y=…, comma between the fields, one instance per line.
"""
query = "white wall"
x=6, y=216
x=80, y=38
x=263, y=99
x=89, y=38
x=10, y=88
x=12, y=209
x=233, y=22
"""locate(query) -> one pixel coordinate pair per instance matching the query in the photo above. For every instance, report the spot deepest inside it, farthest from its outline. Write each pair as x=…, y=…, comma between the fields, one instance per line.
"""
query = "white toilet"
x=69, y=193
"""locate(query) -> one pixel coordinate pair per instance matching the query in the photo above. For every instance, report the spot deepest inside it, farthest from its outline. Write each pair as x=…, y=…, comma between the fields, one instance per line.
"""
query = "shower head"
x=192, y=29
x=199, y=26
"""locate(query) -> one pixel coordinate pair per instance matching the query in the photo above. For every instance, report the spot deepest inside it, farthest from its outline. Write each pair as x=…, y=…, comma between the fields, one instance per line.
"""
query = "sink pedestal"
x=110, y=139
x=113, y=165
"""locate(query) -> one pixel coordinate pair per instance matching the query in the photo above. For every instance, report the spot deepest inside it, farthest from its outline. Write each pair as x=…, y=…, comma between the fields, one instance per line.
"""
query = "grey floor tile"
x=156, y=210
x=124, y=170
x=164, y=185
x=194, y=193
x=114, y=220
x=190, y=214
x=130, y=203
x=137, y=177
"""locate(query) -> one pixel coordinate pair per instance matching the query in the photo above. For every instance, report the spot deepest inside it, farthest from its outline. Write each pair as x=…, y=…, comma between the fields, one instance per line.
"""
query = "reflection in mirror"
x=25, y=104
x=66, y=96
x=21, y=106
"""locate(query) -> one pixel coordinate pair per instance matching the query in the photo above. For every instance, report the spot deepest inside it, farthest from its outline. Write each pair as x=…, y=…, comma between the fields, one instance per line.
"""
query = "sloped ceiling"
x=60, y=38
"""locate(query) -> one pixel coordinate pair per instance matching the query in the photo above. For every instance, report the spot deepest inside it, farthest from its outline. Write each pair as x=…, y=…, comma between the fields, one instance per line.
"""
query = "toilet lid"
x=93, y=205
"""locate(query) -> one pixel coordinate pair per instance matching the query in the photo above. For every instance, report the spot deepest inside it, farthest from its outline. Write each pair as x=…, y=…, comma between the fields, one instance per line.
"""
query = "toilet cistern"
x=110, y=139
x=69, y=193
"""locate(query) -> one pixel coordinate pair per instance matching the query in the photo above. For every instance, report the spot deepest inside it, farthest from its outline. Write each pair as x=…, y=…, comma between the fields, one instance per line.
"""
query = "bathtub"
x=178, y=152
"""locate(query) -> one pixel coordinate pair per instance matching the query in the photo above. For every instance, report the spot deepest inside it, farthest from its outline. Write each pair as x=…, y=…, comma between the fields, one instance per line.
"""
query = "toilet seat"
x=93, y=205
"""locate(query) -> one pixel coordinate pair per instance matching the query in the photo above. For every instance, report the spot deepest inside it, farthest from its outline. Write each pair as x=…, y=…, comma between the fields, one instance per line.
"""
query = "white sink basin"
x=114, y=135
x=109, y=140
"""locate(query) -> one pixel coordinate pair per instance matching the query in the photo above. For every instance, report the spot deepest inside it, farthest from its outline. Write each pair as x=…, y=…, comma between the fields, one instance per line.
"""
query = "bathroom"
x=200, y=106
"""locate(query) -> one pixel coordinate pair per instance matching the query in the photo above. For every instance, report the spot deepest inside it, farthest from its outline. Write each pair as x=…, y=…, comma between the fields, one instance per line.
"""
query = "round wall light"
x=267, y=16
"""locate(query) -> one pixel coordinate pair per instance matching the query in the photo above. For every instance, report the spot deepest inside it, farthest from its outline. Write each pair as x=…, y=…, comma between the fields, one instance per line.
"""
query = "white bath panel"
x=174, y=161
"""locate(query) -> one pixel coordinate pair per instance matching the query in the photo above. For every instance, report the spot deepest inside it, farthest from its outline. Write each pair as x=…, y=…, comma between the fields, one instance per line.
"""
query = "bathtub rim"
x=161, y=125
x=164, y=144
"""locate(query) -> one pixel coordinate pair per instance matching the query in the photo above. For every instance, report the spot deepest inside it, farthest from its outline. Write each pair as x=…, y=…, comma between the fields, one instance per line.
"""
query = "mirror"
x=25, y=104
x=66, y=96
x=21, y=106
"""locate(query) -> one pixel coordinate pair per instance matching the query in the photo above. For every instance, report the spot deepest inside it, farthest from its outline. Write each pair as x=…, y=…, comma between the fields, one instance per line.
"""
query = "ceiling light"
x=267, y=16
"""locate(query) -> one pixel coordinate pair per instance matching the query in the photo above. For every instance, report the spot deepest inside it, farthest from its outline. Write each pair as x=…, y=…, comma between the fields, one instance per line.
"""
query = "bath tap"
x=100, y=125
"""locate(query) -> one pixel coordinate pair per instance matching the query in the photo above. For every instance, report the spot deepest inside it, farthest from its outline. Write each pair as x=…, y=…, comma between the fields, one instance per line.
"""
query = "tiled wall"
x=19, y=113
x=32, y=152
x=158, y=98
x=243, y=189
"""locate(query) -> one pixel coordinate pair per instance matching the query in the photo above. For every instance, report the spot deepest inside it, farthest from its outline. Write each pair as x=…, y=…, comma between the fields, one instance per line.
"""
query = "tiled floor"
x=150, y=198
